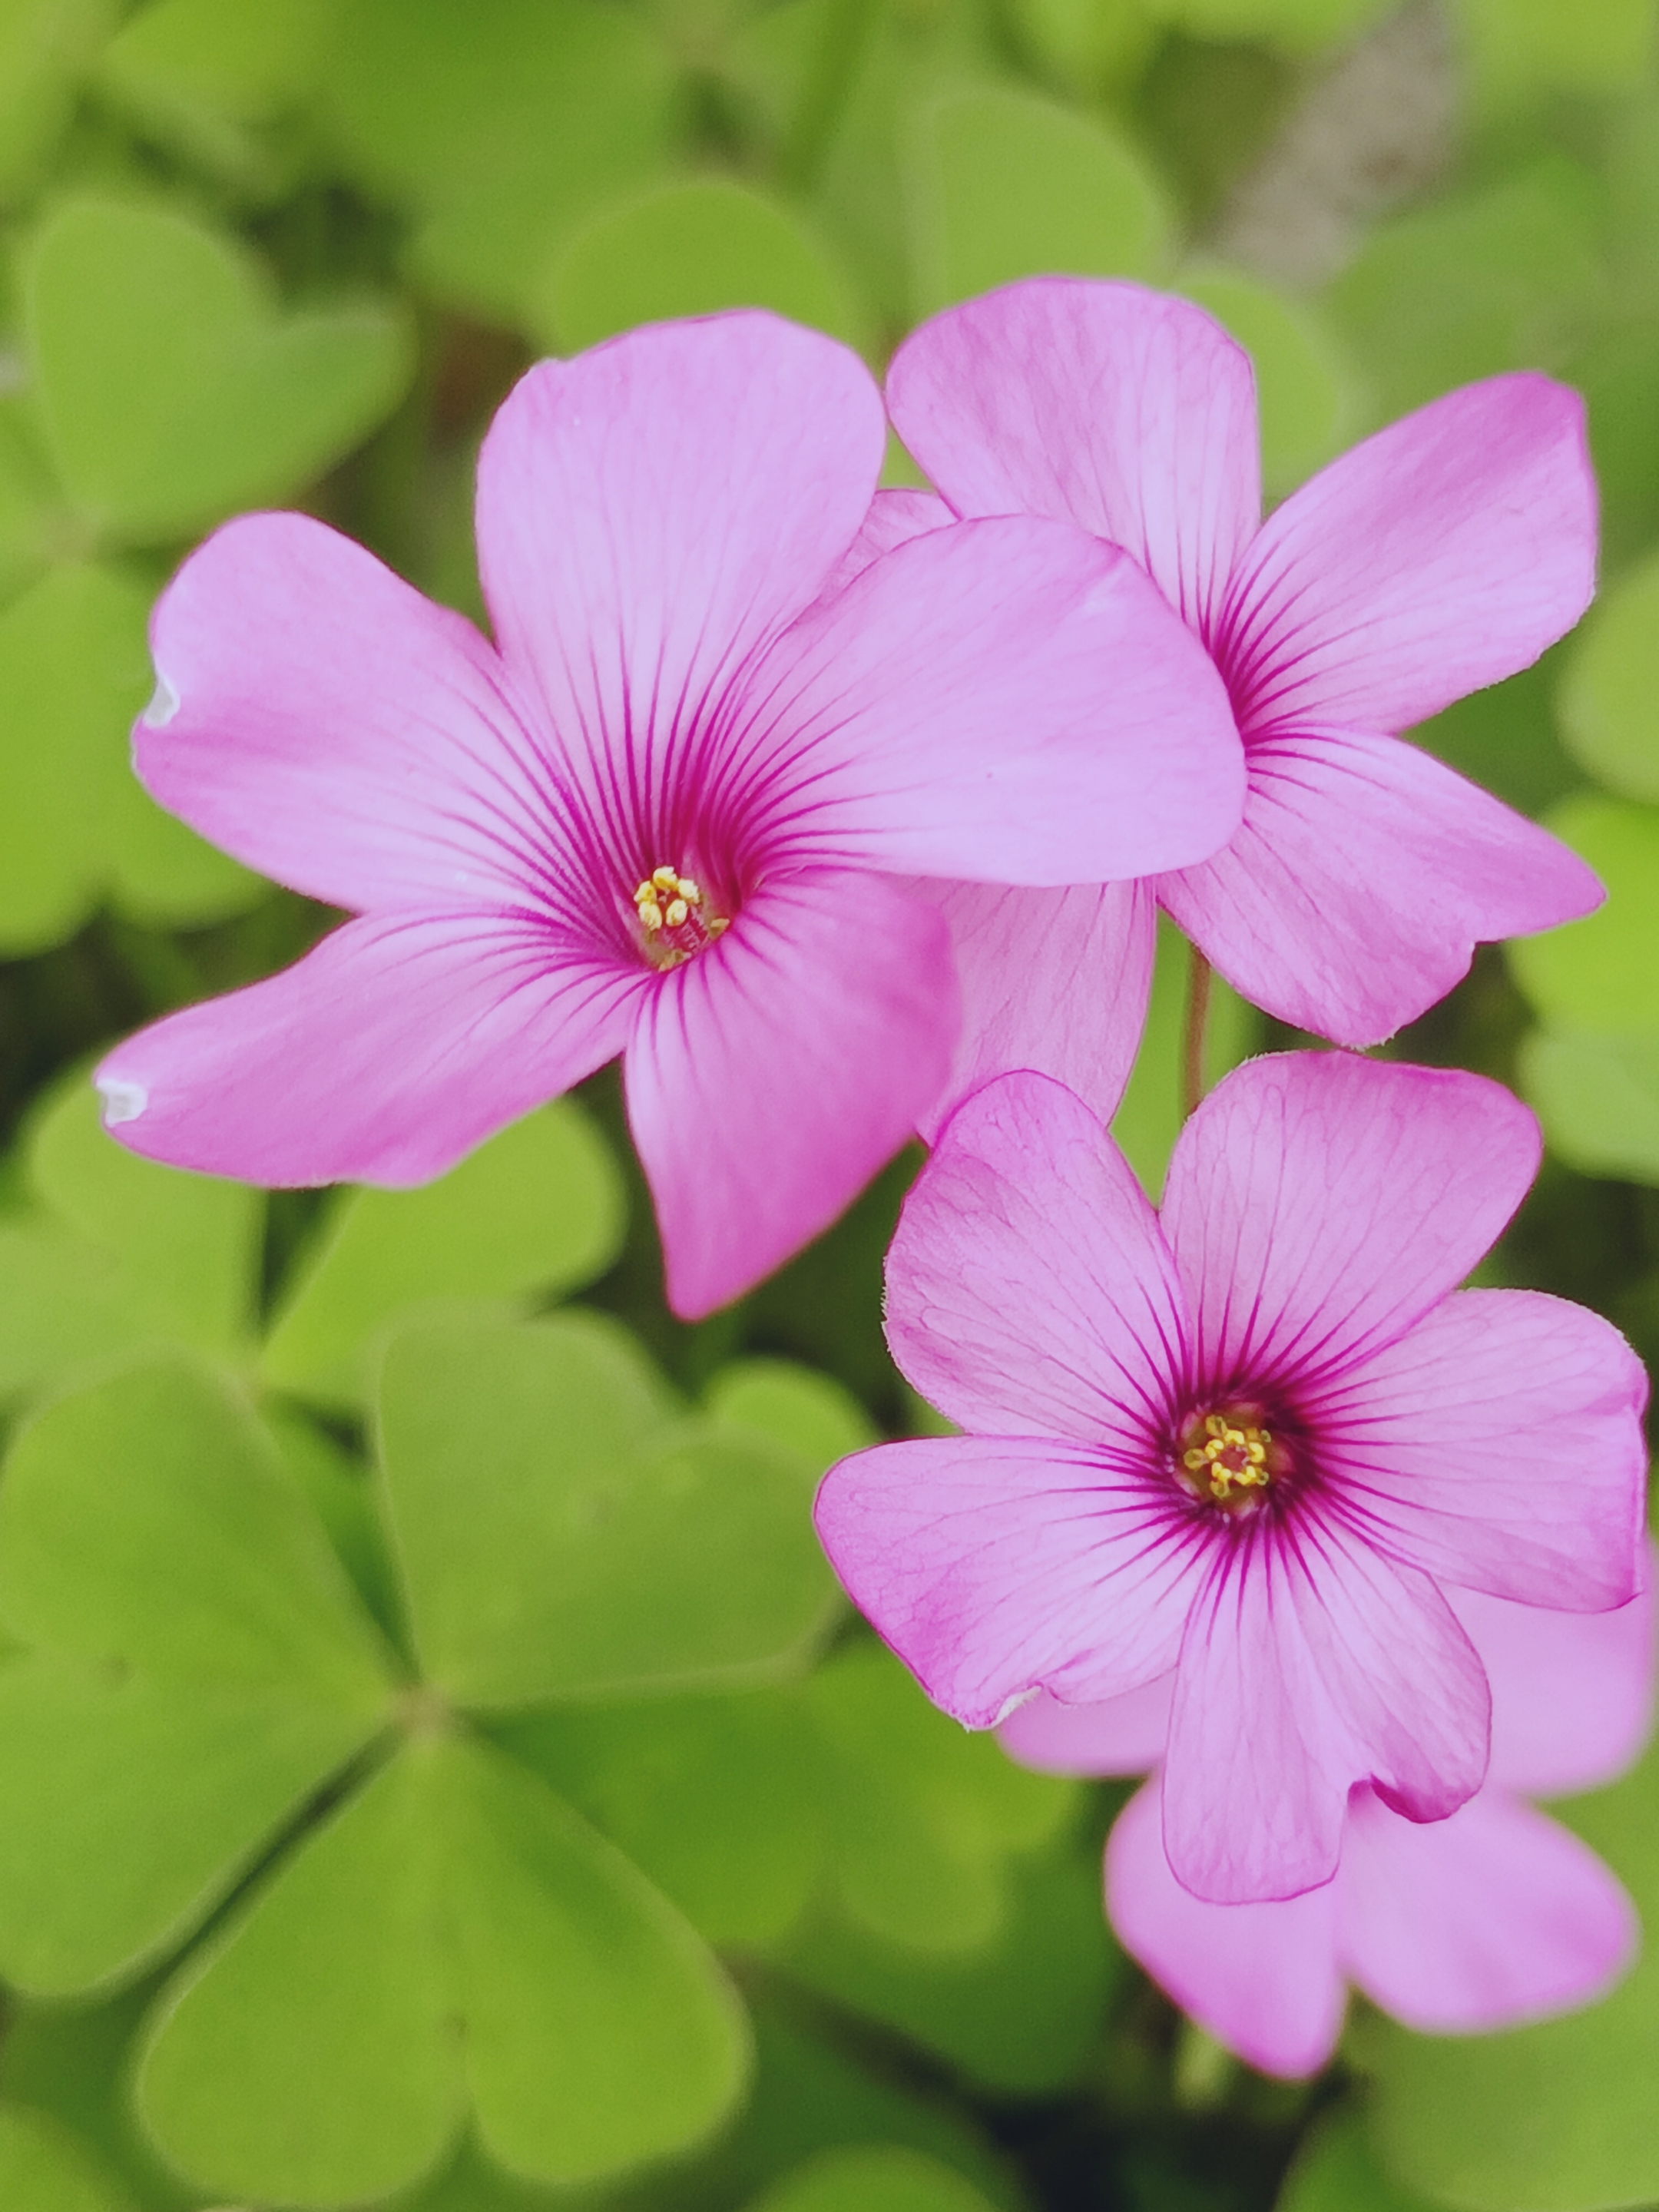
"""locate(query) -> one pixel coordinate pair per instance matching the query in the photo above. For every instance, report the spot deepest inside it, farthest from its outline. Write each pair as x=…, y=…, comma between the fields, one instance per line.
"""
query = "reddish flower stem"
x=1198, y=1015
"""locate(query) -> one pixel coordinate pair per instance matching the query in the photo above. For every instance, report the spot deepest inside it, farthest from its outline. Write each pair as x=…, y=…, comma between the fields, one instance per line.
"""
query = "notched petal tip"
x=123, y=1100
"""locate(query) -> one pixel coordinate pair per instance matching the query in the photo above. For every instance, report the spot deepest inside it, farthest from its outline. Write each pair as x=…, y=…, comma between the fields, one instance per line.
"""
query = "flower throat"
x=674, y=917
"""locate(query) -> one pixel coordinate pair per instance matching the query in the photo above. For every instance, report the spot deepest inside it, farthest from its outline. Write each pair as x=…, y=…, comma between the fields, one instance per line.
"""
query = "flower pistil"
x=1225, y=1456
x=674, y=915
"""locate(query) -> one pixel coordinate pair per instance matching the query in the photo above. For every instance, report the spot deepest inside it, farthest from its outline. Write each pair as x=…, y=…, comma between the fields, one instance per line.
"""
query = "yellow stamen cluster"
x=674, y=916
x=1232, y=1457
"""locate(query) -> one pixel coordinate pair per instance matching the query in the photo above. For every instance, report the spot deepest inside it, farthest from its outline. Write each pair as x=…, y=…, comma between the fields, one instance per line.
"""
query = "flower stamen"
x=1225, y=1457
x=672, y=913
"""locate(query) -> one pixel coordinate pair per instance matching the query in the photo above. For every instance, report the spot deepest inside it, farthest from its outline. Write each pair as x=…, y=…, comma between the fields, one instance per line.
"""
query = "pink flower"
x=1438, y=556
x=669, y=814
x=1245, y=1443
x=1493, y=1917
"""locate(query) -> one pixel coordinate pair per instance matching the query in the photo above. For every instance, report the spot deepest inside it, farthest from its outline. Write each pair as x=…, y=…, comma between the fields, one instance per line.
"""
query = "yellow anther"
x=647, y=889
x=1227, y=1454
x=651, y=914
x=664, y=879
x=677, y=912
x=690, y=892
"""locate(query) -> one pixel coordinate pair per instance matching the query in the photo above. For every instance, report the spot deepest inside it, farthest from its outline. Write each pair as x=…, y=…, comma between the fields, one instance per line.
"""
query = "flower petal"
x=1310, y=1663
x=894, y=519
x=1262, y=1978
x=1055, y=980
x=1008, y=701
x=1571, y=1693
x=651, y=513
x=772, y=1075
x=1126, y=411
x=1441, y=555
x=327, y=725
x=1119, y=1735
x=996, y=1565
x=1318, y=1205
x=1498, y=1445
x=1493, y=1917
x=1364, y=877
x=1029, y=1289
x=397, y=1045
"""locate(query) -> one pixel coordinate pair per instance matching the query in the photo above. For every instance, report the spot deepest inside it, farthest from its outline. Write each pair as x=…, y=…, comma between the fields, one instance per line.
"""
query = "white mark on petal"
x=164, y=704
x=123, y=1101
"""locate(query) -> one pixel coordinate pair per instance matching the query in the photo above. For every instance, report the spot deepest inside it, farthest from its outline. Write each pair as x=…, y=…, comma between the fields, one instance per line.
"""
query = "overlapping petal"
x=1053, y=981
x=1119, y=1735
x=1495, y=1916
x=321, y=720
x=1126, y=411
x=1498, y=1445
x=1308, y=1665
x=1318, y=1205
x=771, y=1076
x=1029, y=1291
x=1261, y=1977
x=995, y=1565
x=1362, y=878
x=894, y=517
x=399, y=1044
x=652, y=513
x=1007, y=701
x=1441, y=554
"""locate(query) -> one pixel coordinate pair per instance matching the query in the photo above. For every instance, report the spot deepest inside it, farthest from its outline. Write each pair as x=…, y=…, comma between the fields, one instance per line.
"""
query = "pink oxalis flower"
x=673, y=812
x=1243, y=1443
x=1438, y=556
x=1493, y=1917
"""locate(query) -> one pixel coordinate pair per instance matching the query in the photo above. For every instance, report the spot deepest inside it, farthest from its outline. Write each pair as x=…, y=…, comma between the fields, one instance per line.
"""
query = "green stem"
x=1198, y=1015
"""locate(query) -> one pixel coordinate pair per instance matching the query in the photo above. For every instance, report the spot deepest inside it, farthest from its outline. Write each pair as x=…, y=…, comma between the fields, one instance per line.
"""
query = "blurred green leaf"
x=592, y=1549
x=799, y=1408
x=717, y=1800
x=1504, y=740
x=44, y=2169
x=196, y=1668
x=1501, y=278
x=502, y=122
x=1305, y=389
x=1335, y=2171
x=452, y=1935
x=211, y=77
x=689, y=248
x=1557, y=2117
x=1148, y=1120
x=1005, y=185
x=173, y=385
x=1600, y=975
x=1523, y=48
x=75, y=823
x=537, y=1212
x=924, y=1816
x=885, y=2178
x=1598, y=1099
x=1609, y=697
x=1023, y=2015
x=35, y=526
x=1298, y=24
x=44, y=45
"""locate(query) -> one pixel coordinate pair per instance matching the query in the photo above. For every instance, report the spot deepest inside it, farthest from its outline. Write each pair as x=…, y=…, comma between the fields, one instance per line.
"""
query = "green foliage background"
x=436, y=1768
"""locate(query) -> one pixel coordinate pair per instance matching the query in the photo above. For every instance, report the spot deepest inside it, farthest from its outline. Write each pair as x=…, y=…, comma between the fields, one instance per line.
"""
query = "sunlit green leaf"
x=174, y=386
x=557, y=1539
x=1609, y=697
x=538, y=1210
x=1599, y=975
x=805, y=1412
x=689, y=248
x=1598, y=1099
x=44, y=2169
x=1006, y=185
x=1522, y=48
x=44, y=45
x=196, y=1667
x=452, y=1937
x=883, y=2179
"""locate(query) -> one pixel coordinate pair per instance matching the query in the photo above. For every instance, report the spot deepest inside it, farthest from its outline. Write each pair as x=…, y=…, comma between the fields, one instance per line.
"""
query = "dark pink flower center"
x=675, y=917
x=1226, y=1455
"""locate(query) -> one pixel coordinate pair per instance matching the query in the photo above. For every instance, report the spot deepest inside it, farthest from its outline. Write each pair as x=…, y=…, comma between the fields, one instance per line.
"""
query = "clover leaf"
x=42, y=2166
x=885, y=2178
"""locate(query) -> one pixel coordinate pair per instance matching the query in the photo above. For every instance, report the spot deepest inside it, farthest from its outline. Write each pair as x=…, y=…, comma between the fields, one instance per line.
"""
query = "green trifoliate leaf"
x=1335, y=2170
x=537, y=1212
x=502, y=126
x=879, y=2178
x=1006, y=185
x=44, y=2169
x=797, y=1408
x=194, y=1666
x=1599, y=975
x=75, y=825
x=173, y=386
x=1559, y=2117
x=924, y=1817
x=45, y=46
x=1609, y=696
x=454, y=1938
x=1598, y=1099
x=559, y=1537
x=689, y=248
